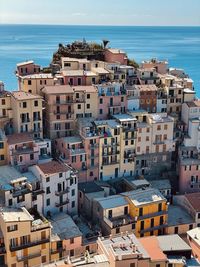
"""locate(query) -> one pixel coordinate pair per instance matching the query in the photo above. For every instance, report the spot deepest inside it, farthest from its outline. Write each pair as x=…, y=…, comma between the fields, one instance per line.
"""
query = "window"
x=79, y=106
x=190, y=226
x=101, y=111
x=48, y=201
x=36, y=103
x=117, y=230
x=88, y=105
x=157, y=265
x=72, y=240
x=165, y=127
x=2, y=157
x=88, y=96
x=44, y=259
x=110, y=214
x=73, y=192
x=158, y=127
x=132, y=264
x=10, y=202
x=159, y=207
x=60, y=175
x=24, y=104
x=31, y=156
x=71, y=253
x=140, y=211
x=12, y=228
x=101, y=101
x=73, y=204
x=142, y=225
x=125, y=210
x=47, y=179
x=29, y=82
x=3, y=101
x=48, y=190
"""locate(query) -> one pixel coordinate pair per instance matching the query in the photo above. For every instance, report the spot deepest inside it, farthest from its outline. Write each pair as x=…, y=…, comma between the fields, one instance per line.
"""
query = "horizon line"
x=93, y=25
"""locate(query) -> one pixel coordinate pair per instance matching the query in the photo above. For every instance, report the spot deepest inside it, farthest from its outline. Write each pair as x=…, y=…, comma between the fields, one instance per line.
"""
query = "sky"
x=101, y=12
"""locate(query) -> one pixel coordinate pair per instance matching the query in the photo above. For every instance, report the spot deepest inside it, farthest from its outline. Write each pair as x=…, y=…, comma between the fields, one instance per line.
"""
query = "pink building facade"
x=188, y=169
x=27, y=68
x=112, y=100
x=116, y=55
x=81, y=152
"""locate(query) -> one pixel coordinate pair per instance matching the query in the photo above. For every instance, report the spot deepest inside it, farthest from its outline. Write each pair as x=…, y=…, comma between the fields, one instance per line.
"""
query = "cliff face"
x=79, y=49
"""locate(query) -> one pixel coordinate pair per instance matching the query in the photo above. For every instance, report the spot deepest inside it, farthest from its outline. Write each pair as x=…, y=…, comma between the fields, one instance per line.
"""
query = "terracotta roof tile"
x=19, y=138
x=53, y=167
x=152, y=247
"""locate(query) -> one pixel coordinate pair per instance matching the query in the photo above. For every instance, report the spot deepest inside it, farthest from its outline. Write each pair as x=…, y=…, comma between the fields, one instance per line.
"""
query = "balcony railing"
x=77, y=151
x=110, y=153
x=20, y=192
x=25, y=120
x=119, y=221
x=110, y=163
x=60, y=204
x=158, y=227
x=29, y=244
x=29, y=256
x=154, y=214
x=62, y=192
x=37, y=119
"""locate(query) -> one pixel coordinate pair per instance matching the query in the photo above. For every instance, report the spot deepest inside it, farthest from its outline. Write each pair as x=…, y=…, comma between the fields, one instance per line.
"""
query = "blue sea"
x=179, y=45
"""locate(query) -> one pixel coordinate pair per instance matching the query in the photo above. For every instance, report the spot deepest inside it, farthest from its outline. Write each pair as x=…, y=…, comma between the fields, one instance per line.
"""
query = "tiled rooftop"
x=152, y=247
x=52, y=167
x=20, y=95
x=19, y=138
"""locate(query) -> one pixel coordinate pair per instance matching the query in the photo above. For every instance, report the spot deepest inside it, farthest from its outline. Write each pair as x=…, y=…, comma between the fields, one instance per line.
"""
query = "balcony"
x=119, y=221
x=110, y=153
x=151, y=215
x=129, y=155
x=26, y=120
x=62, y=192
x=77, y=151
x=28, y=257
x=93, y=146
x=29, y=244
x=37, y=119
x=60, y=204
x=21, y=192
x=24, y=150
x=158, y=227
x=130, y=129
x=37, y=191
x=110, y=163
x=64, y=102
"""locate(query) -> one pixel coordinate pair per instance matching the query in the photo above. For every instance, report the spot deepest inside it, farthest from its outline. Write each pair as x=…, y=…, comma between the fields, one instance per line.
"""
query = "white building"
x=193, y=138
x=60, y=187
x=190, y=110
